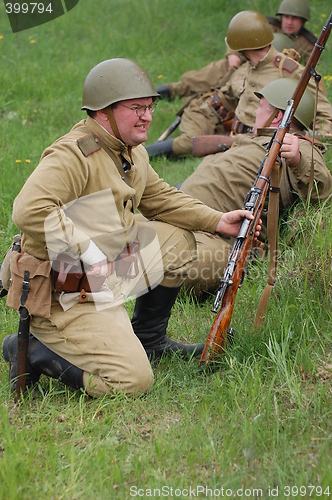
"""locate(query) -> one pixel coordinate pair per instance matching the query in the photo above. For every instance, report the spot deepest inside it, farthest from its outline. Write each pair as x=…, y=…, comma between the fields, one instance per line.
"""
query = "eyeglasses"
x=141, y=110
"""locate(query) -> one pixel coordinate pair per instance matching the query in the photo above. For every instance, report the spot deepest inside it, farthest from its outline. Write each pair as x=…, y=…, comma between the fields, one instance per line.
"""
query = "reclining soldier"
x=290, y=20
x=222, y=180
x=250, y=34
x=77, y=213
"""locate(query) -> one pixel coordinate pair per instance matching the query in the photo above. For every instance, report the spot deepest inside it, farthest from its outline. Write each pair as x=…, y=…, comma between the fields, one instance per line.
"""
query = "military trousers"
x=199, y=118
x=97, y=336
x=212, y=256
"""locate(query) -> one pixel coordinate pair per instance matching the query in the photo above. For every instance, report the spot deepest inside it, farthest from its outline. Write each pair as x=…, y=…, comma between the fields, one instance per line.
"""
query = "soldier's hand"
x=230, y=223
x=234, y=61
x=98, y=269
x=290, y=150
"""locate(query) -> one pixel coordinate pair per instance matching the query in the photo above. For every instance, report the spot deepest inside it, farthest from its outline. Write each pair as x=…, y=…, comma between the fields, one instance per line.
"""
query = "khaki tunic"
x=199, y=118
x=212, y=76
x=223, y=180
x=77, y=194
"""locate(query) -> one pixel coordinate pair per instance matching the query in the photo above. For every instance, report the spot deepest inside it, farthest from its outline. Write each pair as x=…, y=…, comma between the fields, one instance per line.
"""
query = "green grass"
x=261, y=419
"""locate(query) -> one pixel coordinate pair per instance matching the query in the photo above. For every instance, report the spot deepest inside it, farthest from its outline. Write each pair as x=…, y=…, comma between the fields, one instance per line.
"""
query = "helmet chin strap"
x=271, y=117
x=111, y=119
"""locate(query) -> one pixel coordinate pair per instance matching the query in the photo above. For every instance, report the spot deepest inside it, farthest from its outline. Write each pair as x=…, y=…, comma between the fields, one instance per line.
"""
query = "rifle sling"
x=272, y=234
x=312, y=166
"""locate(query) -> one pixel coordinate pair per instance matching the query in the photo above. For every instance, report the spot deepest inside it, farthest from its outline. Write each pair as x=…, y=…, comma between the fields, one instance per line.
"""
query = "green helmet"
x=249, y=30
x=296, y=8
x=116, y=80
x=282, y=41
x=278, y=92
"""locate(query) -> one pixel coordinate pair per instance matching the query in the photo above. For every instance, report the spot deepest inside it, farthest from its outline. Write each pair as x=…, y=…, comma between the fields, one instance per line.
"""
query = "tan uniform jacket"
x=212, y=76
x=223, y=180
x=104, y=210
x=248, y=79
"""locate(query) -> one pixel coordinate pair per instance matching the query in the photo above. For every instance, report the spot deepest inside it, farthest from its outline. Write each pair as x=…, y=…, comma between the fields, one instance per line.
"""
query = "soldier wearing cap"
x=80, y=205
x=250, y=34
x=222, y=180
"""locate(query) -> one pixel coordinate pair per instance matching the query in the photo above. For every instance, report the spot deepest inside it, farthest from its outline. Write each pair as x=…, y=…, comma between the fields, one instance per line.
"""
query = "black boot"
x=150, y=320
x=41, y=360
x=9, y=351
x=159, y=148
x=164, y=92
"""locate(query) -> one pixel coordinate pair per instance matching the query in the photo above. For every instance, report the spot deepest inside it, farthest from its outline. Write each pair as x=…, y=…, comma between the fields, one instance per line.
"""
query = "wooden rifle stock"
x=203, y=145
x=23, y=338
x=234, y=271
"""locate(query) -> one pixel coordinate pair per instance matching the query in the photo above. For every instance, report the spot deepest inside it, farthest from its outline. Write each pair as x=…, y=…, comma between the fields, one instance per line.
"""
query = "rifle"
x=234, y=272
x=203, y=145
x=23, y=338
x=321, y=138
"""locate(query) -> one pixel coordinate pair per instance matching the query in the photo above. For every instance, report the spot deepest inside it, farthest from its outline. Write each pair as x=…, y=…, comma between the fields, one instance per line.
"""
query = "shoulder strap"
x=88, y=144
x=285, y=63
x=272, y=232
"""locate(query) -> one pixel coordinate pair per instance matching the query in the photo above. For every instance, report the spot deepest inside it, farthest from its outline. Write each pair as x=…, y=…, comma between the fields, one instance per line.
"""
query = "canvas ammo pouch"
x=5, y=272
x=38, y=301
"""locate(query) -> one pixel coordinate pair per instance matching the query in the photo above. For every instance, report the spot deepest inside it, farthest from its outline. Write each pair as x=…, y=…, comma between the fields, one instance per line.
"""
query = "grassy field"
x=260, y=425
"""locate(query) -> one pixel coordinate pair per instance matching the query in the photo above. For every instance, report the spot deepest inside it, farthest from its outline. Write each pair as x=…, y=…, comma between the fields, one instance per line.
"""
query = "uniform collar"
x=268, y=58
x=110, y=141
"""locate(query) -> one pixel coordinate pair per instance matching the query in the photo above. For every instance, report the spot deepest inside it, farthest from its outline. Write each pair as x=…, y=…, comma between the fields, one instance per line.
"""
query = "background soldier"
x=250, y=34
x=222, y=180
x=80, y=204
x=293, y=15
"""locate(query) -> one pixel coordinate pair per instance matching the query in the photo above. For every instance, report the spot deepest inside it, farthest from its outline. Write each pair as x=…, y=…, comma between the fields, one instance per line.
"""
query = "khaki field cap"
x=278, y=92
x=249, y=30
x=116, y=80
x=296, y=8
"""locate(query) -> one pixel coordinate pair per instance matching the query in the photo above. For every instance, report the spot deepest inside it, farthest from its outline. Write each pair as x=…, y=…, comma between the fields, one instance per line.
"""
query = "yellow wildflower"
x=18, y=161
x=160, y=77
x=27, y=160
x=1, y=37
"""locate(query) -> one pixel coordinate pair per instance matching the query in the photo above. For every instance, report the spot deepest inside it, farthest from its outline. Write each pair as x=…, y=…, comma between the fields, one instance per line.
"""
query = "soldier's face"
x=291, y=25
x=263, y=113
x=133, y=128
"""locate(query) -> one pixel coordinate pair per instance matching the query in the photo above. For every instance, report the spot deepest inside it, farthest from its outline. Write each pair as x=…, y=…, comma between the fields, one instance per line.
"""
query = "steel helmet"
x=116, y=80
x=278, y=92
x=296, y=8
x=282, y=41
x=249, y=30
